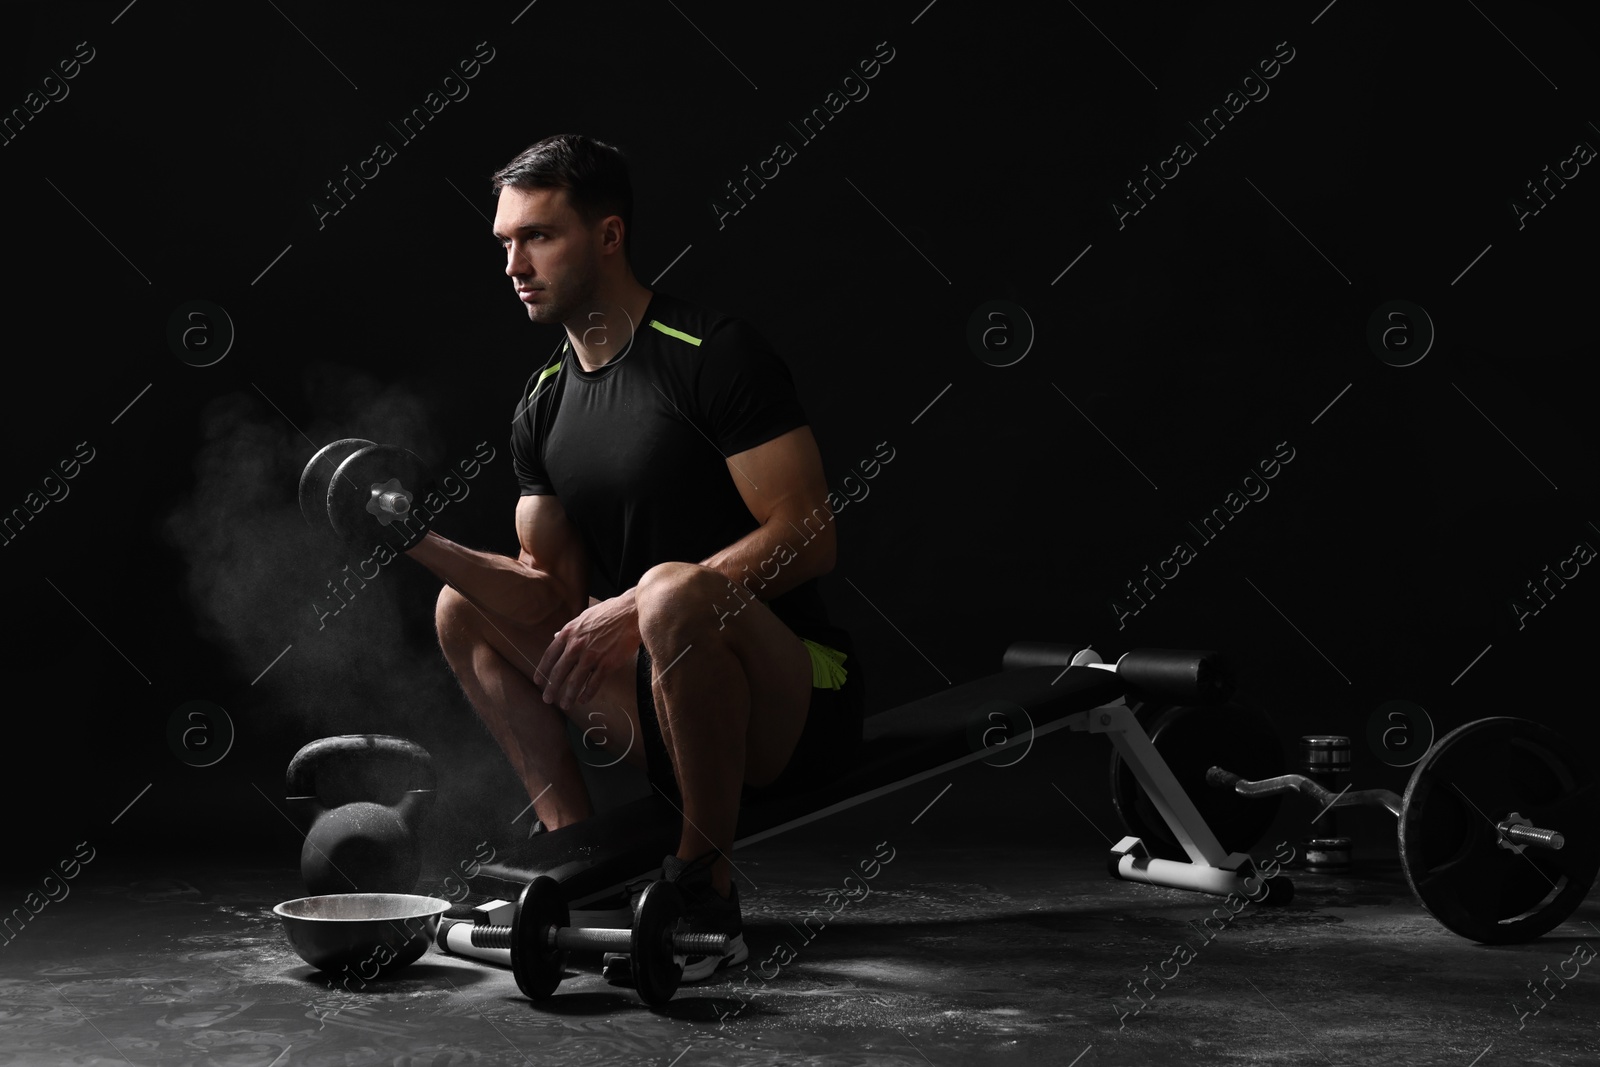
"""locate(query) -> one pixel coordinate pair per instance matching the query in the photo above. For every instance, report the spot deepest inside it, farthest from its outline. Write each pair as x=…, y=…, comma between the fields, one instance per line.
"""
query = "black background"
x=1176, y=353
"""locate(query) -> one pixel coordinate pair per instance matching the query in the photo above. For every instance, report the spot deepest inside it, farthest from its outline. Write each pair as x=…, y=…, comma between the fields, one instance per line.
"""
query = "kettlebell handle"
x=411, y=762
x=414, y=805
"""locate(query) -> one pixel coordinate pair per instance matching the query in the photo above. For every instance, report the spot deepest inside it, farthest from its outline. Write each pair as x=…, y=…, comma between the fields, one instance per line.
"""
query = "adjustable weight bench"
x=1054, y=687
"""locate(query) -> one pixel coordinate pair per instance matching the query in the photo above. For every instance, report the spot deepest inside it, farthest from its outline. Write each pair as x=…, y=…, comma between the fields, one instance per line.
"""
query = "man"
x=672, y=525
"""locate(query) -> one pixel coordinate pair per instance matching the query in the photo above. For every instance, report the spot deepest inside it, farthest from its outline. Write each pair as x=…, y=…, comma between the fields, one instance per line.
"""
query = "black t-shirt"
x=635, y=450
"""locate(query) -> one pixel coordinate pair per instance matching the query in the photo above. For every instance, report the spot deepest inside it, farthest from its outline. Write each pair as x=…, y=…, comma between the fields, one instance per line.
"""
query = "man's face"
x=551, y=256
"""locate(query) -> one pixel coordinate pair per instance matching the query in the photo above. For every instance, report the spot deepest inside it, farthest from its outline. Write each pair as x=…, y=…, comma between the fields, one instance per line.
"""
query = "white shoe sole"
x=699, y=968
x=695, y=968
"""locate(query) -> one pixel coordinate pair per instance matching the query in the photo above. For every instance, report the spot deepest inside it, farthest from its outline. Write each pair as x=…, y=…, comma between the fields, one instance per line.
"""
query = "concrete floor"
x=1005, y=945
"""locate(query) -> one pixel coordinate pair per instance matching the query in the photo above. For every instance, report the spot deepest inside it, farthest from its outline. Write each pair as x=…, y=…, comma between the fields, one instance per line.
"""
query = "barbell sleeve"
x=1533, y=835
x=1299, y=783
x=1222, y=779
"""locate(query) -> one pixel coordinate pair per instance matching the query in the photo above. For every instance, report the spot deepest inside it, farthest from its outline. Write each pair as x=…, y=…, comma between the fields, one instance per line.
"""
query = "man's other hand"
x=601, y=639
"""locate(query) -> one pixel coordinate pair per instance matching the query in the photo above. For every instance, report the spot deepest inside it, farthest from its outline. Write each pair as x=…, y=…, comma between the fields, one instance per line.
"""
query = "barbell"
x=1497, y=827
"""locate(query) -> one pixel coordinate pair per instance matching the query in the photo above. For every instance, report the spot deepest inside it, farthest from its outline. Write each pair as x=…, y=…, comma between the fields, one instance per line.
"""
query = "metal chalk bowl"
x=371, y=932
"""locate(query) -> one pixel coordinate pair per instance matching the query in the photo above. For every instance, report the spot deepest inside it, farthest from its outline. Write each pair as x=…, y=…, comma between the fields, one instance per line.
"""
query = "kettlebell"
x=360, y=800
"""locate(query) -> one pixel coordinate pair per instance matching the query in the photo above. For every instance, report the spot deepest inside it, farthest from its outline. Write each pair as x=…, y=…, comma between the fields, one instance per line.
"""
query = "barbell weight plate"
x=1449, y=843
x=656, y=973
x=314, y=479
x=1191, y=740
x=538, y=967
x=350, y=491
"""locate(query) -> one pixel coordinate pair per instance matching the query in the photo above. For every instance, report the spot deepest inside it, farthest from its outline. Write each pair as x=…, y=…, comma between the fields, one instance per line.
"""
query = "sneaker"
x=522, y=854
x=705, y=911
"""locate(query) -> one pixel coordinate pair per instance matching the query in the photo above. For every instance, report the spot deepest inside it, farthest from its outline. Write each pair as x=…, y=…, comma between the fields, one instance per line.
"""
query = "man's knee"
x=453, y=618
x=673, y=598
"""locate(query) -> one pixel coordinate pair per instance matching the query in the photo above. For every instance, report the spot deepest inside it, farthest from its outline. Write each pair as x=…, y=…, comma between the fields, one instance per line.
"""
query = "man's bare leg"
x=496, y=662
x=707, y=679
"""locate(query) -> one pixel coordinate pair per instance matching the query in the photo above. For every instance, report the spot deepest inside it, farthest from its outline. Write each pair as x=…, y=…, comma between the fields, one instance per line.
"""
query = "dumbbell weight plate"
x=1449, y=846
x=314, y=479
x=537, y=966
x=656, y=973
x=1192, y=740
x=350, y=490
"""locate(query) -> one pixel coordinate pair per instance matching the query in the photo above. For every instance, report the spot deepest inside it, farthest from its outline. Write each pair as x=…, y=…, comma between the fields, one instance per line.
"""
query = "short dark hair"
x=594, y=174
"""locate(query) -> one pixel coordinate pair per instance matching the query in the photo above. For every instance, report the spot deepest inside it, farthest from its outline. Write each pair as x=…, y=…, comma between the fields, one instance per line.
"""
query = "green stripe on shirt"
x=670, y=332
x=547, y=372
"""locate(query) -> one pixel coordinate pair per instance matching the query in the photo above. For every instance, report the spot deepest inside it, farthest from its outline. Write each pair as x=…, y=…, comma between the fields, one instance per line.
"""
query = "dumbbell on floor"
x=540, y=936
x=1482, y=795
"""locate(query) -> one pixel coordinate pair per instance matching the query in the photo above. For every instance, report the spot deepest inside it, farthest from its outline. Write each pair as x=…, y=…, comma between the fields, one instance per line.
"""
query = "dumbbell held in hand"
x=367, y=493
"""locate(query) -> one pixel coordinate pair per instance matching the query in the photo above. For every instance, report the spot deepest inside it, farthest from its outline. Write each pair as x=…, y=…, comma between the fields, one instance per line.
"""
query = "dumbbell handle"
x=1299, y=783
x=599, y=939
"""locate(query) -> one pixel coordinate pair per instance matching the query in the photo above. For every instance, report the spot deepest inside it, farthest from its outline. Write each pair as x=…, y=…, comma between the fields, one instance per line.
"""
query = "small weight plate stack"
x=1326, y=761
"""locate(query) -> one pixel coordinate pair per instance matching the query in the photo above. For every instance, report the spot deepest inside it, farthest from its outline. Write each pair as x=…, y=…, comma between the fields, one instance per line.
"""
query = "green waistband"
x=827, y=666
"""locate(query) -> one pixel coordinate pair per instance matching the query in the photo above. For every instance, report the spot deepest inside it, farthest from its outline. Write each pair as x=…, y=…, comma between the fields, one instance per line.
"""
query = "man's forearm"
x=498, y=584
x=775, y=558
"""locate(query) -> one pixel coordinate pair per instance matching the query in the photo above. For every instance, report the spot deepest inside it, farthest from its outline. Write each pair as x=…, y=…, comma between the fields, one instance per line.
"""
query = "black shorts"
x=828, y=745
